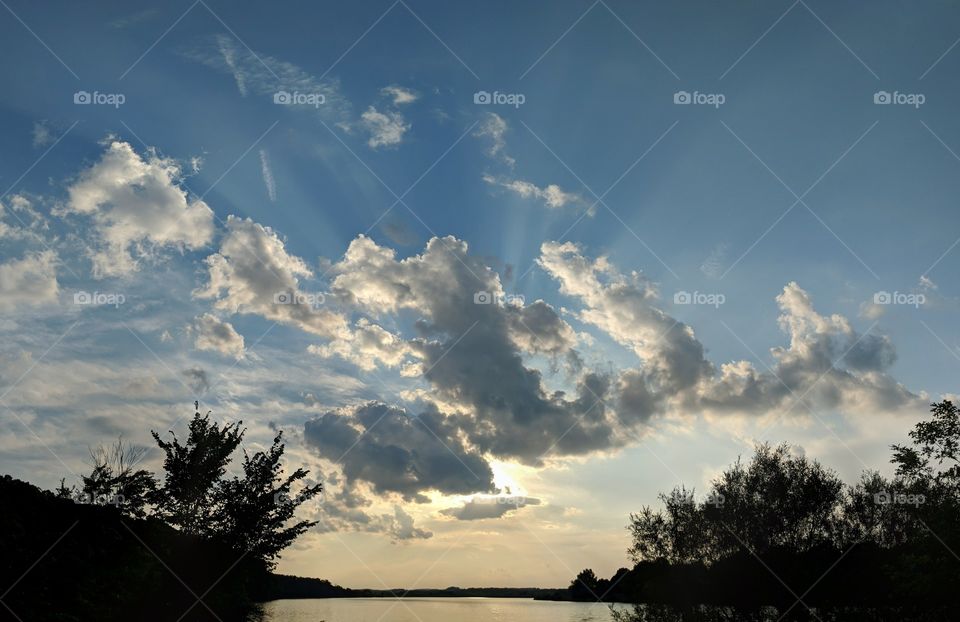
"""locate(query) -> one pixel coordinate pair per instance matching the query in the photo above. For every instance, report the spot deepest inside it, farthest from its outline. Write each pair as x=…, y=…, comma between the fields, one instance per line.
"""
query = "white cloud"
x=137, y=207
x=826, y=361
x=30, y=281
x=30, y=224
x=42, y=136
x=267, y=172
x=400, y=95
x=367, y=346
x=225, y=45
x=385, y=129
x=253, y=273
x=494, y=127
x=551, y=195
x=215, y=335
x=259, y=74
x=400, y=526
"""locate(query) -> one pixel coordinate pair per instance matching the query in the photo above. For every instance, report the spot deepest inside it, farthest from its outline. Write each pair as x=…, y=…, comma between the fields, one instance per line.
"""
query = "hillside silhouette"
x=123, y=545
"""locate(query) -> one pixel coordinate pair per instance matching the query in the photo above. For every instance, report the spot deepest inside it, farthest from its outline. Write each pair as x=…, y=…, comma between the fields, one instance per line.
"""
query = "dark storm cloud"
x=399, y=453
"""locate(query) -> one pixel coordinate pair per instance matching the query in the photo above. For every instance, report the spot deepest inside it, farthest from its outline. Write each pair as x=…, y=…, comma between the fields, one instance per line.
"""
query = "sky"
x=501, y=272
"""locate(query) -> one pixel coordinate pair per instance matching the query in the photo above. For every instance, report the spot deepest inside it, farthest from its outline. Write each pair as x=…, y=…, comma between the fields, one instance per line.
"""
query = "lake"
x=432, y=610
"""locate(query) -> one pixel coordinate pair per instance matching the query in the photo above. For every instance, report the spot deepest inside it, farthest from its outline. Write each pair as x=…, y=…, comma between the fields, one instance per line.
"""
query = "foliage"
x=253, y=512
x=782, y=525
x=113, y=480
x=193, y=470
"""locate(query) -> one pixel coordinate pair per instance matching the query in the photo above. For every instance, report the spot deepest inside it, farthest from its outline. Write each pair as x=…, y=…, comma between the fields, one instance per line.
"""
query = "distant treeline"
x=783, y=532
x=287, y=586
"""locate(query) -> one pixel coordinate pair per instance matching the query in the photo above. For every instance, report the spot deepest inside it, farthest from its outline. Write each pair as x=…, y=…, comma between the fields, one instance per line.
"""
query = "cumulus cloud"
x=827, y=362
x=400, y=95
x=481, y=507
x=401, y=526
x=345, y=507
x=386, y=129
x=397, y=452
x=137, y=207
x=472, y=353
x=366, y=346
x=551, y=195
x=213, y=334
x=30, y=281
x=622, y=306
x=253, y=273
x=485, y=398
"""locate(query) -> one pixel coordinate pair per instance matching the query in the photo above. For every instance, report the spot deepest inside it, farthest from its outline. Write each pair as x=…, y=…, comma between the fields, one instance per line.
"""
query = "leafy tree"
x=777, y=500
x=677, y=534
x=935, y=454
x=193, y=470
x=114, y=481
x=254, y=511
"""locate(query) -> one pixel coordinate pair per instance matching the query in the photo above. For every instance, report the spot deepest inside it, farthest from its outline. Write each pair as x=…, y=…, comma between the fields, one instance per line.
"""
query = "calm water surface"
x=432, y=610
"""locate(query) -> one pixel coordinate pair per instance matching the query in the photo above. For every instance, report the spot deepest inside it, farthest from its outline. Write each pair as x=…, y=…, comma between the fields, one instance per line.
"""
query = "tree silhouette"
x=777, y=500
x=113, y=480
x=253, y=511
x=192, y=470
x=249, y=513
x=585, y=586
x=782, y=525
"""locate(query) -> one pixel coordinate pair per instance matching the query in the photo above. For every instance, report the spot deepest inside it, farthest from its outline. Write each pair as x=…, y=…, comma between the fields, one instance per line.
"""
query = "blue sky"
x=601, y=195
